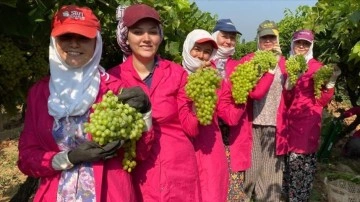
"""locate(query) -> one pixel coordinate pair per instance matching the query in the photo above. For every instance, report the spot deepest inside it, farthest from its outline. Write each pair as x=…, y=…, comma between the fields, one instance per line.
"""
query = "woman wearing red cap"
x=53, y=145
x=170, y=171
x=198, y=49
x=304, y=120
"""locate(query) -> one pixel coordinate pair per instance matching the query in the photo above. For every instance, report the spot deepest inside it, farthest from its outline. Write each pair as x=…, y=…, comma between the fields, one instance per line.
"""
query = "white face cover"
x=73, y=90
x=189, y=62
x=222, y=52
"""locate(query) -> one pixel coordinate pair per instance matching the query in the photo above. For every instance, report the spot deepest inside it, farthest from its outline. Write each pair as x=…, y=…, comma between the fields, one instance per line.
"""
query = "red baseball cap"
x=208, y=39
x=136, y=12
x=77, y=20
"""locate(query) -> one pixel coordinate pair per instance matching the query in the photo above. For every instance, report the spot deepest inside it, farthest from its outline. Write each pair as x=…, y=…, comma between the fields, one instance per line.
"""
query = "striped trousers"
x=264, y=178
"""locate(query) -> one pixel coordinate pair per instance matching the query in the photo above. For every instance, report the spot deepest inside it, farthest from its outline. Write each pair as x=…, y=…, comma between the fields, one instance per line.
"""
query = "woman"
x=53, y=145
x=198, y=49
x=225, y=35
x=170, y=171
x=304, y=120
x=254, y=147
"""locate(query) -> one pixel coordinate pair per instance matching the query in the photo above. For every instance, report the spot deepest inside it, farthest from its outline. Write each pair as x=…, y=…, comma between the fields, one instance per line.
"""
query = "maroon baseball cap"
x=136, y=12
x=74, y=19
x=306, y=35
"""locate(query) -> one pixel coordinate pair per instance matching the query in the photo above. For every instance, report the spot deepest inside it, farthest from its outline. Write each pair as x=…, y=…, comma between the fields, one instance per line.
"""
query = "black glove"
x=136, y=98
x=90, y=151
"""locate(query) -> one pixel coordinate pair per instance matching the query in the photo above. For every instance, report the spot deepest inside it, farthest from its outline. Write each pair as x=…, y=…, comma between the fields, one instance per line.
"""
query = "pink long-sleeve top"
x=305, y=112
x=170, y=172
x=37, y=147
x=240, y=138
x=210, y=150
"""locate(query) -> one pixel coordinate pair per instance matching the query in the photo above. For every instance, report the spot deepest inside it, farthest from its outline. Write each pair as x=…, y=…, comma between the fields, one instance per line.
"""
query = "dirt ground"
x=11, y=178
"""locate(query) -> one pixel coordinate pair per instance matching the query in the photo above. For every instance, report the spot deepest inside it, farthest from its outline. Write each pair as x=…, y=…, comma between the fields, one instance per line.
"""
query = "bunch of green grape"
x=321, y=77
x=201, y=89
x=243, y=80
x=295, y=65
x=264, y=60
x=112, y=120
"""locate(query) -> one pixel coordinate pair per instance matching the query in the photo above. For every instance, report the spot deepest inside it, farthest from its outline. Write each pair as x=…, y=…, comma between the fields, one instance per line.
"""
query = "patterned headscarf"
x=122, y=32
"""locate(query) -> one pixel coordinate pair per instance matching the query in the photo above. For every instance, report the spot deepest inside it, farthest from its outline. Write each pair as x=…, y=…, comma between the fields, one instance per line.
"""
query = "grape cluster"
x=264, y=60
x=321, y=77
x=246, y=75
x=113, y=120
x=243, y=80
x=201, y=89
x=295, y=65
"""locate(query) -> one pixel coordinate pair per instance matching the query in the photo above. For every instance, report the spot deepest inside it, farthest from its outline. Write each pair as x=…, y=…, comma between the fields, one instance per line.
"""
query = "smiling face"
x=301, y=47
x=202, y=51
x=267, y=42
x=226, y=39
x=144, y=39
x=76, y=50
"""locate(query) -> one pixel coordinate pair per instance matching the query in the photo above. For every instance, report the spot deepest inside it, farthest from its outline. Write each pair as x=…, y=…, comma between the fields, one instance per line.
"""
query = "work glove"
x=136, y=98
x=90, y=151
x=334, y=76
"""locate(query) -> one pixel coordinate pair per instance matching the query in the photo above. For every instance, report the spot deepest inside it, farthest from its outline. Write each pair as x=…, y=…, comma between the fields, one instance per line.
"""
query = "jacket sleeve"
x=326, y=96
x=226, y=108
x=262, y=86
x=34, y=158
x=187, y=117
x=351, y=112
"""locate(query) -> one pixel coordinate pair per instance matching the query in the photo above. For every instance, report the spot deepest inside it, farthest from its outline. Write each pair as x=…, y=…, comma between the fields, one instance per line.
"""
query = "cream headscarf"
x=73, y=90
x=190, y=63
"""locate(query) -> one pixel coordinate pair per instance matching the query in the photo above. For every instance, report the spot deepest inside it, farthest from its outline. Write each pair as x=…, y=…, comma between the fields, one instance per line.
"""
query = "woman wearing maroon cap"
x=53, y=145
x=304, y=120
x=198, y=49
x=170, y=171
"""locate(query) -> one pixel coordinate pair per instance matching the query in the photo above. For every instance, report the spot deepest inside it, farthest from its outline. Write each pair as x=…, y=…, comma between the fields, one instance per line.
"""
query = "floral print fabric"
x=77, y=183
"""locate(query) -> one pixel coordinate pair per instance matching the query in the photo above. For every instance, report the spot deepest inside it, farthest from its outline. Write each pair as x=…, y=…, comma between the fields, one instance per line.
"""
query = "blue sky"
x=248, y=14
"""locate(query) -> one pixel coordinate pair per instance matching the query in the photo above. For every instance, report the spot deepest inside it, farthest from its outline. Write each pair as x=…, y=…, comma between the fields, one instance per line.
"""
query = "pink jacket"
x=170, y=172
x=37, y=147
x=210, y=150
x=305, y=112
x=240, y=138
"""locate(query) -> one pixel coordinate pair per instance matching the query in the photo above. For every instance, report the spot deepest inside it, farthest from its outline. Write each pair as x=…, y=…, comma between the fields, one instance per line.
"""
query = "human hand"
x=136, y=98
x=206, y=64
x=90, y=151
x=277, y=49
x=336, y=72
x=271, y=71
x=334, y=76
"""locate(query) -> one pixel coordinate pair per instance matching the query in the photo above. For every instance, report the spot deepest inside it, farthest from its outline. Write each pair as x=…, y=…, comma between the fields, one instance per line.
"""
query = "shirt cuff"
x=61, y=161
x=148, y=120
x=330, y=84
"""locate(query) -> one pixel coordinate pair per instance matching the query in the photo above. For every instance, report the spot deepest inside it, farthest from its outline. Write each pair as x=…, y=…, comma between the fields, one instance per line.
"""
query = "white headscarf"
x=222, y=52
x=189, y=62
x=308, y=56
x=73, y=90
